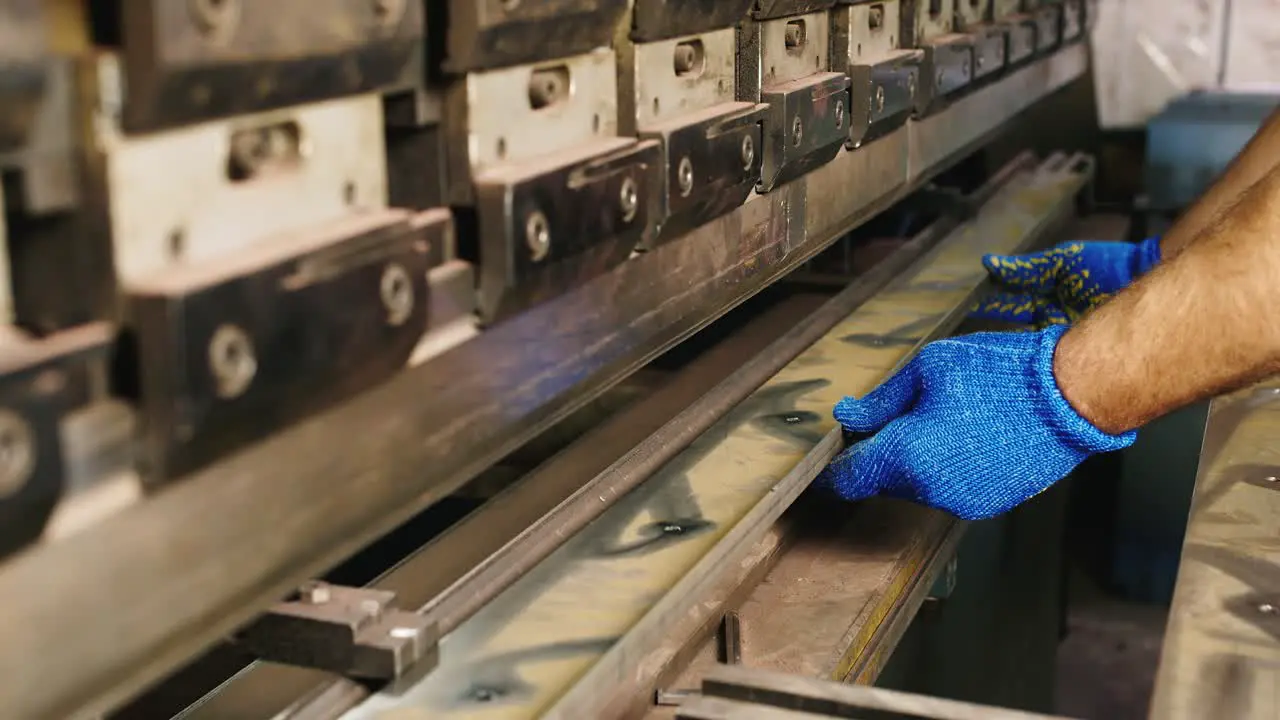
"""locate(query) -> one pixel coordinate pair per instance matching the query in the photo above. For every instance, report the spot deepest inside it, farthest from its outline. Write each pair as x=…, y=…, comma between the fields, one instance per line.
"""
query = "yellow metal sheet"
x=522, y=652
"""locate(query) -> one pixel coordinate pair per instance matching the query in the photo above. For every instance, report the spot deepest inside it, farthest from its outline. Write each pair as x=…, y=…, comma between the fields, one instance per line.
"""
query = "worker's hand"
x=1059, y=285
x=973, y=425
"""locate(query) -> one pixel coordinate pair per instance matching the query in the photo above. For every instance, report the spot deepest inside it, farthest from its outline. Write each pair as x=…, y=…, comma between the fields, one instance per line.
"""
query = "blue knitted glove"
x=973, y=425
x=1061, y=284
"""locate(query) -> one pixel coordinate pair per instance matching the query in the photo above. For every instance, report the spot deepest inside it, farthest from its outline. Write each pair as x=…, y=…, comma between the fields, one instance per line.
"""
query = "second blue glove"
x=974, y=425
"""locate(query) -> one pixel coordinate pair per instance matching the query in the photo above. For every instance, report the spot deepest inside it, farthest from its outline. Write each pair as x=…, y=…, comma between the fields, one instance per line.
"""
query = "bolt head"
x=684, y=176
x=396, y=289
x=537, y=235
x=797, y=132
x=629, y=199
x=748, y=152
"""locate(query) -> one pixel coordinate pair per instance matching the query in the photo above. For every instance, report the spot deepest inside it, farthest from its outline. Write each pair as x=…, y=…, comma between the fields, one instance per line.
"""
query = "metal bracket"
x=806, y=128
x=711, y=161
x=351, y=631
x=947, y=69
x=665, y=19
x=535, y=239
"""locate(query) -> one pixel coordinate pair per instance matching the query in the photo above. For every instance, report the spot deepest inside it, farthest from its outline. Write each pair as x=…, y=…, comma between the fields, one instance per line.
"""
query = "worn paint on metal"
x=523, y=651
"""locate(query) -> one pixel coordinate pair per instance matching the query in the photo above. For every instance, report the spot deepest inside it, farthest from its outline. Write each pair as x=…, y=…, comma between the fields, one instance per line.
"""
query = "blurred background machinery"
x=410, y=358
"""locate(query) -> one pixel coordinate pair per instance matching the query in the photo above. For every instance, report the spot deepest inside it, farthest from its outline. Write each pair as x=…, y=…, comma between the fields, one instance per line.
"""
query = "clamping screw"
x=629, y=197
x=879, y=98
x=684, y=176
x=396, y=289
x=797, y=132
x=839, y=115
x=748, y=152
x=231, y=360
x=537, y=235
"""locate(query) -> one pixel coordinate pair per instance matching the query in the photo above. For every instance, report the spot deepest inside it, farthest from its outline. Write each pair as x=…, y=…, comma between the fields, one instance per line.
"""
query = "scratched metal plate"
x=522, y=652
x=1221, y=655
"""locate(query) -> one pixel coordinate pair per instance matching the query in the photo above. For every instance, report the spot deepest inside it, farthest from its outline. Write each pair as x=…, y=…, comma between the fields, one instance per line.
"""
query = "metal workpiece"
x=946, y=70
x=773, y=9
x=231, y=350
x=189, y=62
x=240, y=182
x=355, y=632
x=883, y=79
x=24, y=49
x=224, y=558
x=42, y=383
x=729, y=693
x=545, y=227
x=1221, y=651
x=488, y=34
x=537, y=651
x=45, y=166
x=665, y=19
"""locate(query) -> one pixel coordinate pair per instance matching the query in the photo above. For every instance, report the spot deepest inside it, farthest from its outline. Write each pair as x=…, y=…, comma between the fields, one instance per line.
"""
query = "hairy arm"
x=1258, y=158
x=1203, y=323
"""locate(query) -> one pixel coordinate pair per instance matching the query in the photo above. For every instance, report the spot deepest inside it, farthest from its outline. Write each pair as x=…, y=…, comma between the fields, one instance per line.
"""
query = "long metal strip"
x=191, y=564
x=577, y=619
x=1221, y=654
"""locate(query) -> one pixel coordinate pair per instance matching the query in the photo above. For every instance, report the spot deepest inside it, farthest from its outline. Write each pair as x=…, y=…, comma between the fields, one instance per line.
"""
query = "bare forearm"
x=1259, y=157
x=1203, y=323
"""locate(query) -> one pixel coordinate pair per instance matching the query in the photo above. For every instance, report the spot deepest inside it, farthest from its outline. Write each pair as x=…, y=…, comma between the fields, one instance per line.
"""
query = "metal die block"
x=486, y=34
x=1048, y=19
x=794, y=47
x=548, y=225
x=23, y=50
x=773, y=9
x=664, y=19
x=42, y=382
x=671, y=78
x=930, y=20
x=989, y=48
x=232, y=350
x=864, y=32
x=947, y=69
x=883, y=95
x=187, y=196
x=806, y=127
x=188, y=62
x=972, y=12
x=356, y=632
x=1073, y=19
x=1020, y=39
x=711, y=160
x=525, y=113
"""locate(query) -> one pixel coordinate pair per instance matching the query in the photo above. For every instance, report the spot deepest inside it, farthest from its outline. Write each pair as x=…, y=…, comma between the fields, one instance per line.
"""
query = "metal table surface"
x=1221, y=654
x=159, y=581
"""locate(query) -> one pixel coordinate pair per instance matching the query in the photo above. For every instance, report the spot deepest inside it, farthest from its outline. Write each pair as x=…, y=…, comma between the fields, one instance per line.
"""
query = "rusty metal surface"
x=557, y=642
x=318, y=496
x=1221, y=655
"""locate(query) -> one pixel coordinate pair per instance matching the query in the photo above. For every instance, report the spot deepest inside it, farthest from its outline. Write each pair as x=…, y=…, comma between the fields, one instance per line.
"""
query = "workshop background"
x=1177, y=89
